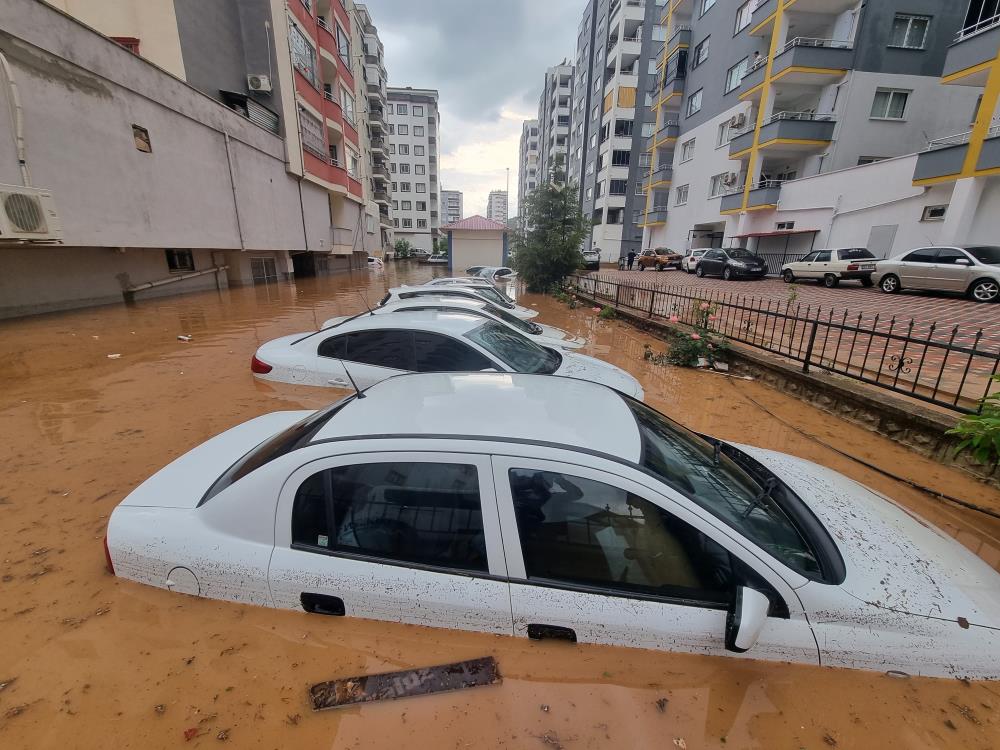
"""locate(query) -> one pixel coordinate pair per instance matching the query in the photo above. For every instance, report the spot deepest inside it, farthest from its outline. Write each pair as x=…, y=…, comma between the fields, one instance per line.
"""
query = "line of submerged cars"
x=486, y=476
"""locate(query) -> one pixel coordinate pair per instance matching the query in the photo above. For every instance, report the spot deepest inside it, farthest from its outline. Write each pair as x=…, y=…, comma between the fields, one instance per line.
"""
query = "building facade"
x=412, y=116
x=375, y=130
x=527, y=165
x=452, y=207
x=755, y=95
x=555, y=122
x=617, y=46
x=496, y=206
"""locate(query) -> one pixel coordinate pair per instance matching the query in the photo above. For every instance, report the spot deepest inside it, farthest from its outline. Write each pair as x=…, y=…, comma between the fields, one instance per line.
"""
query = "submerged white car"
x=488, y=293
x=404, y=504
x=459, y=281
x=541, y=334
x=370, y=348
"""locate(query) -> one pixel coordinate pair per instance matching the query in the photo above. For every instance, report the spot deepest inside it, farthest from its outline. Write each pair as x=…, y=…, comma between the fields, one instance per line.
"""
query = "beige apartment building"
x=197, y=145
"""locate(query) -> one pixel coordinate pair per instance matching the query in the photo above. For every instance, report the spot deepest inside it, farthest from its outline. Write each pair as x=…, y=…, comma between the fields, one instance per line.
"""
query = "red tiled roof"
x=476, y=223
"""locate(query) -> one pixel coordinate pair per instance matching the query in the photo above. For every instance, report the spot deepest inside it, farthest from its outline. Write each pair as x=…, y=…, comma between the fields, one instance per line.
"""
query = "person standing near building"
x=631, y=259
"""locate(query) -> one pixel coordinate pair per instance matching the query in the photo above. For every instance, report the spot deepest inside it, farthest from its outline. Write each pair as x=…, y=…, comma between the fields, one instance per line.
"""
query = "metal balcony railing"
x=808, y=41
x=979, y=27
x=959, y=139
x=801, y=116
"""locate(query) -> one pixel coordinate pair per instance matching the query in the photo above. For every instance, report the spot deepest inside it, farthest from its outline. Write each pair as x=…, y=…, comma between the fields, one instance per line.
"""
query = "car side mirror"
x=746, y=619
x=963, y=262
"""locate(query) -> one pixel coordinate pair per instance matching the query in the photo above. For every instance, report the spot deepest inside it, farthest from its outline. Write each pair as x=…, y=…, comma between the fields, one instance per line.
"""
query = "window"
x=180, y=260
x=140, y=136
x=418, y=130
x=404, y=149
x=421, y=187
x=889, y=104
x=823, y=256
x=424, y=513
x=659, y=33
x=395, y=223
x=618, y=187
x=706, y=5
x=421, y=205
x=700, y=54
x=388, y=109
x=717, y=185
x=390, y=349
x=437, y=353
x=934, y=213
x=407, y=223
x=347, y=101
x=394, y=187
x=418, y=110
x=407, y=205
x=303, y=54
x=862, y=160
x=311, y=129
x=404, y=187
x=651, y=68
x=344, y=46
x=395, y=205
x=909, y=32
x=694, y=103
x=402, y=109
x=581, y=531
x=687, y=150
x=421, y=223
x=403, y=129
x=784, y=225
x=681, y=196
x=648, y=128
x=392, y=148
x=419, y=169
x=418, y=151
x=923, y=255
x=744, y=14
x=620, y=158
x=734, y=76
x=404, y=168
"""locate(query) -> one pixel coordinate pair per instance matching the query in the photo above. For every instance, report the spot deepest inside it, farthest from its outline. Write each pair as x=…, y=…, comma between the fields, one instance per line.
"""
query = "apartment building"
x=412, y=116
x=374, y=133
x=496, y=206
x=554, y=121
x=616, y=62
x=527, y=165
x=452, y=206
x=755, y=96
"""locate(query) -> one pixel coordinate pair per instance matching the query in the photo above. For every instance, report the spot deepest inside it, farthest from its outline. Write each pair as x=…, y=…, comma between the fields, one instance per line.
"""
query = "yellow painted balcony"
x=970, y=58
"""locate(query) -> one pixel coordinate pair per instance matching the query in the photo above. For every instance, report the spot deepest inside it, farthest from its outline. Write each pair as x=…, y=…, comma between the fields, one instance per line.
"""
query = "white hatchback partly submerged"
x=572, y=512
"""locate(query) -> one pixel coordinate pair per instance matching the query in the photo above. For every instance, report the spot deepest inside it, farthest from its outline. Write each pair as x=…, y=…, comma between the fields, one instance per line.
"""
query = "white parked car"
x=375, y=263
x=832, y=266
x=592, y=259
x=375, y=347
x=691, y=257
x=458, y=281
x=487, y=292
x=605, y=524
x=541, y=334
x=497, y=273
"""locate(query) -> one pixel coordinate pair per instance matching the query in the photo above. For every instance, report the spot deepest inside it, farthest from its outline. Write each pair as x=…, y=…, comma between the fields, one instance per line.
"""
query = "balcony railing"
x=978, y=28
x=760, y=62
x=800, y=116
x=959, y=139
x=323, y=23
x=807, y=41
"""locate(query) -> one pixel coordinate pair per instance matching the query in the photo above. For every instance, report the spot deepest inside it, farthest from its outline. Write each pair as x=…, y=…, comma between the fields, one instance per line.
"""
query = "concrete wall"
x=874, y=54
x=476, y=249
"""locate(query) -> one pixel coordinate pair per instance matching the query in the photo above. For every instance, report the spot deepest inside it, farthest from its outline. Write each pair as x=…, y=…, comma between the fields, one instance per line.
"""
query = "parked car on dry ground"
x=972, y=270
x=659, y=259
x=830, y=267
x=495, y=503
x=592, y=259
x=731, y=263
x=691, y=257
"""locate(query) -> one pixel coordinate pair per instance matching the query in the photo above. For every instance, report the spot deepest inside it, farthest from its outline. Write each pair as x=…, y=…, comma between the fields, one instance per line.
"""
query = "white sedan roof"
x=459, y=280
x=451, y=322
x=535, y=408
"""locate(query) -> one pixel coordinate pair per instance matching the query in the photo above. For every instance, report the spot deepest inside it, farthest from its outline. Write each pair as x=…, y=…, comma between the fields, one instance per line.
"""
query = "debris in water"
x=4, y=684
x=223, y=735
x=551, y=739
x=190, y=733
x=544, y=708
x=407, y=683
x=829, y=740
x=184, y=337
x=293, y=719
x=661, y=705
x=679, y=741
x=16, y=711
x=114, y=356
x=950, y=724
x=160, y=709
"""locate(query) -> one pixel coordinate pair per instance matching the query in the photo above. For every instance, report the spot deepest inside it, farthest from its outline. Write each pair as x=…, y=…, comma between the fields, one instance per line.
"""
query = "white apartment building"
x=554, y=119
x=413, y=118
x=452, y=208
x=527, y=168
x=496, y=206
x=377, y=151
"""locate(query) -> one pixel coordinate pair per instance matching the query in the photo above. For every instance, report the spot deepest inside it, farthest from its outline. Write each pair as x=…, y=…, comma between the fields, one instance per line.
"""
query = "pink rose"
x=674, y=319
x=695, y=337
x=704, y=305
x=711, y=317
x=596, y=309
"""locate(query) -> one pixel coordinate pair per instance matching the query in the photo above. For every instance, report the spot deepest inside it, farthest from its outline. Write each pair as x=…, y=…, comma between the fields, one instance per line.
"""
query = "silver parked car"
x=972, y=270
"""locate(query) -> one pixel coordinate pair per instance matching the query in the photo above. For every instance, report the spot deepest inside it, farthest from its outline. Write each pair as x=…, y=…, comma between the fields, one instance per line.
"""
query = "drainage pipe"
x=130, y=290
x=17, y=115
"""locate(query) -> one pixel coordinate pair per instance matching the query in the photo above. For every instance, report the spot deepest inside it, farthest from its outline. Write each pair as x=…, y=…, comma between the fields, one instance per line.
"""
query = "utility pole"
x=506, y=203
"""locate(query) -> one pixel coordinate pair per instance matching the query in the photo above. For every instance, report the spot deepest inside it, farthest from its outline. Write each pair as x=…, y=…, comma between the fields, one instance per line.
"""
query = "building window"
x=419, y=169
x=403, y=129
x=862, y=160
x=418, y=130
x=407, y=223
x=418, y=110
x=388, y=109
x=404, y=149
x=744, y=14
x=421, y=223
x=402, y=109
x=909, y=32
x=392, y=167
x=140, y=137
x=311, y=129
x=392, y=148
x=179, y=261
x=404, y=187
x=404, y=168
x=648, y=128
x=617, y=187
x=418, y=151
x=694, y=103
x=421, y=205
x=395, y=223
x=344, y=46
x=303, y=54
x=706, y=5
x=421, y=187
x=687, y=150
x=659, y=33
x=700, y=54
x=394, y=187
x=407, y=205
x=717, y=185
x=931, y=213
x=784, y=226
x=645, y=160
x=723, y=137
x=889, y=104
x=620, y=158
x=590, y=193
x=734, y=76
x=681, y=195
x=130, y=43
x=347, y=102
x=395, y=205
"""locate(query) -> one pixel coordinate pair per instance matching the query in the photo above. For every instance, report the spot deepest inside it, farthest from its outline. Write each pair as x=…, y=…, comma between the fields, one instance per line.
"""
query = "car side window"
x=581, y=531
x=437, y=353
x=713, y=255
x=809, y=258
x=412, y=512
x=334, y=347
x=923, y=255
x=823, y=257
x=949, y=255
x=392, y=349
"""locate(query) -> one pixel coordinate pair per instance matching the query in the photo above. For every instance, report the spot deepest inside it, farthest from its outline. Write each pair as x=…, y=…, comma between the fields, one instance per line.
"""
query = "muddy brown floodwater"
x=88, y=660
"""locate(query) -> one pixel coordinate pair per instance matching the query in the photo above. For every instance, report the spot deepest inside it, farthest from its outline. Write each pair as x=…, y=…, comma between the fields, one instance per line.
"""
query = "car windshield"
x=514, y=350
x=524, y=326
x=988, y=254
x=690, y=465
x=488, y=292
x=739, y=252
x=857, y=253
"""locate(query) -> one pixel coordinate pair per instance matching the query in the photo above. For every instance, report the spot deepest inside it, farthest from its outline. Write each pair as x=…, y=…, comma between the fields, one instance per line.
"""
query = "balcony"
x=669, y=132
x=382, y=197
x=945, y=157
x=379, y=145
x=376, y=91
x=976, y=44
x=807, y=61
x=741, y=143
x=662, y=176
x=760, y=23
x=657, y=215
x=680, y=38
x=380, y=172
x=796, y=132
x=753, y=79
x=333, y=112
x=764, y=193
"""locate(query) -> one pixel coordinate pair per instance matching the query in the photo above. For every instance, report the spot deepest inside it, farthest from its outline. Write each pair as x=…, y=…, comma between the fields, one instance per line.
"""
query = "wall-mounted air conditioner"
x=28, y=214
x=259, y=83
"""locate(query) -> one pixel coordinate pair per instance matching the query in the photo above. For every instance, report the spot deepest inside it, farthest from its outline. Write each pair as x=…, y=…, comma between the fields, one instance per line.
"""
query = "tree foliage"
x=980, y=433
x=548, y=248
x=402, y=249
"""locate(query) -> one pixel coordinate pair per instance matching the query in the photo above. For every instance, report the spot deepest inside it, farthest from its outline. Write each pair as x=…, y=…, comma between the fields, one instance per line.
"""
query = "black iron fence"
x=948, y=366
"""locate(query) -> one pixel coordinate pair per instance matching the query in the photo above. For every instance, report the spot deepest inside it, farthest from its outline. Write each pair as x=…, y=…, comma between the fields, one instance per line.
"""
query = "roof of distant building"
x=476, y=223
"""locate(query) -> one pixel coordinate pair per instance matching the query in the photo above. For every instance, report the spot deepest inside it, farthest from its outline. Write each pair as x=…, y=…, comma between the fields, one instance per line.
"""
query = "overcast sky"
x=487, y=59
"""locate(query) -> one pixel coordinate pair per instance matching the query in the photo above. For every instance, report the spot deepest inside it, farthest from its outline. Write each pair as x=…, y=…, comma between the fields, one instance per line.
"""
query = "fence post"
x=618, y=293
x=809, y=346
x=652, y=299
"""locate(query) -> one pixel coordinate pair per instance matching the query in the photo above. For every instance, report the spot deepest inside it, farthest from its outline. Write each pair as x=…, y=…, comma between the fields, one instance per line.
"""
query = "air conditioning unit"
x=259, y=83
x=28, y=214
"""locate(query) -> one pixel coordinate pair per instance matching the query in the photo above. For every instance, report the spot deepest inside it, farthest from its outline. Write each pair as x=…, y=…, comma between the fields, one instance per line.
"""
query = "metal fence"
x=948, y=366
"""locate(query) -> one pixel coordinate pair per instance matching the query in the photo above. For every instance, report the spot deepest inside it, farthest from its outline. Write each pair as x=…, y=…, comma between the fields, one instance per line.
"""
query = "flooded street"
x=89, y=660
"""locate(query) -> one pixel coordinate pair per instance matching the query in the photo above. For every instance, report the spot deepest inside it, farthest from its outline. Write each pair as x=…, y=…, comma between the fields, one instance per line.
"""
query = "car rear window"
x=857, y=253
x=988, y=254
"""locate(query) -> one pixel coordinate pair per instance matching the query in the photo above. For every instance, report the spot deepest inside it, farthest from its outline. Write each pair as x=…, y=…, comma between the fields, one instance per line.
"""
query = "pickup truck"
x=659, y=259
x=592, y=259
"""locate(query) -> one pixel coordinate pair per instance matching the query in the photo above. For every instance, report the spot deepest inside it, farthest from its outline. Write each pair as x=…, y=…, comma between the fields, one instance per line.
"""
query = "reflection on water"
x=94, y=657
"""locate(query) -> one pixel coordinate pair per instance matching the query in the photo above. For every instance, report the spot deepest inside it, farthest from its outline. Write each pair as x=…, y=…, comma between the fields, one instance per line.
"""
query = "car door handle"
x=539, y=632
x=337, y=381
x=321, y=604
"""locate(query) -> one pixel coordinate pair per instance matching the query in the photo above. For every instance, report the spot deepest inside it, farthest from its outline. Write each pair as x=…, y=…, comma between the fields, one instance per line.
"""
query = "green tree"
x=402, y=249
x=548, y=248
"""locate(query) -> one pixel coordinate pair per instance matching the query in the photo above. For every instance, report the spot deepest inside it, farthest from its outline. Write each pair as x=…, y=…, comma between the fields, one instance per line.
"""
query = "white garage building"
x=476, y=241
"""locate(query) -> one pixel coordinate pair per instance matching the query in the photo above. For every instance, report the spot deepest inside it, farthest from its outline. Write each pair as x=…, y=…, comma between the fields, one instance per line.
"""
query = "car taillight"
x=261, y=368
x=107, y=556
x=853, y=267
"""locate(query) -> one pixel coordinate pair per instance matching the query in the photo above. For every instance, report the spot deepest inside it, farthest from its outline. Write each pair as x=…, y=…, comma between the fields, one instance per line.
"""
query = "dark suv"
x=731, y=263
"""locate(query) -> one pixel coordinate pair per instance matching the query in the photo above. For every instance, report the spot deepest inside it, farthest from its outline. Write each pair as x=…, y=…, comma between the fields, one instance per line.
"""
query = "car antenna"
x=365, y=300
x=357, y=391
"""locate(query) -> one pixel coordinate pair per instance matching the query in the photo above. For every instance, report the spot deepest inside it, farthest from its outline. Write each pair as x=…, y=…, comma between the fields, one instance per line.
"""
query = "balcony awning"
x=782, y=233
